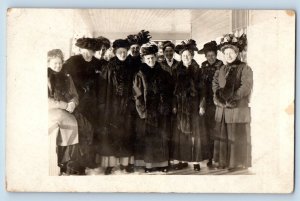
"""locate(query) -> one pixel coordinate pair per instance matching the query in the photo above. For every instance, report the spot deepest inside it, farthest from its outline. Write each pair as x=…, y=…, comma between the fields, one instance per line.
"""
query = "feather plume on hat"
x=140, y=38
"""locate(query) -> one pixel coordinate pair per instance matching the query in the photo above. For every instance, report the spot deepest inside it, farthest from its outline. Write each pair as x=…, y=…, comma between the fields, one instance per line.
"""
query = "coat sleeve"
x=109, y=94
x=139, y=95
x=215, y=87
x=246, y=84
x=73, y=92
x=202, y=89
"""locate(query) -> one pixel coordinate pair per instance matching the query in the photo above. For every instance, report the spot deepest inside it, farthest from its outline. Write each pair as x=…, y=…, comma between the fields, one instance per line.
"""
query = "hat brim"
x=231, y=46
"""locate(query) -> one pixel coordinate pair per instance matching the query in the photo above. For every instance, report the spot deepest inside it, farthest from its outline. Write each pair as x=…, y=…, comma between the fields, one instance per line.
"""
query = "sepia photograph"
x=143, y=100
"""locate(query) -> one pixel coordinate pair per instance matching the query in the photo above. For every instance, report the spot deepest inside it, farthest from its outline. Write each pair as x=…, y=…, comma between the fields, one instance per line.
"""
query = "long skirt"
x=139, y=140
x=117, y=139
x=156, y=148
x=232, y=144
x=191, y=147
x=210, y=124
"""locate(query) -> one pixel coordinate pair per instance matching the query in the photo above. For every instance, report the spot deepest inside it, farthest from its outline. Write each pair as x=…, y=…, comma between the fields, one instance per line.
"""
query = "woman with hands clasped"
x=65, y=123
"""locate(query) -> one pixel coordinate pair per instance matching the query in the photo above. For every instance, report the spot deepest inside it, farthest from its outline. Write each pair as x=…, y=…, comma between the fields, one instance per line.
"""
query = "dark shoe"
x=123, y=167
x=108, y=170
x=175, y=166
x=148, y=170
x=209, y=163
x=183, y=165
x=130, y=168
x=196, y=167
x=164, y=169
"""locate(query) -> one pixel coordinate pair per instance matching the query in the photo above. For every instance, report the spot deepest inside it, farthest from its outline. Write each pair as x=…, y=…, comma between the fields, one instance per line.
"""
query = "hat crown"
x=120, y=43
x=231, y=39
x=186, y=45
x=140, y=38
x=88, y=43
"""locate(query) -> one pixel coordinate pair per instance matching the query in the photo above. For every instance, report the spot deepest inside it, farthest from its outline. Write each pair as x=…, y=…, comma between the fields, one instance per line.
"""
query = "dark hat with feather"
x=186, y=45
x=88, y=43
x=231, y=41
x=140, y=38
x=120, y=43
x=104, y=42
x=166, y=44
x=148, y=49
x=210, y=46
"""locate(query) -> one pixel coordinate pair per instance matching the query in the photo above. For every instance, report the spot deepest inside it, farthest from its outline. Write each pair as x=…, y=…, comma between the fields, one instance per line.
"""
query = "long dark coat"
x=208, y=72
x=190, y=140
x=117, y=138
x=153, y=97
x=139, y=124
x=85, y=79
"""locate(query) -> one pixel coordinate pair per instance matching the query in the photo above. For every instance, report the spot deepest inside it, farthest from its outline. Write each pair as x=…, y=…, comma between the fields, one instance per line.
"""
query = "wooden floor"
x=187, y=171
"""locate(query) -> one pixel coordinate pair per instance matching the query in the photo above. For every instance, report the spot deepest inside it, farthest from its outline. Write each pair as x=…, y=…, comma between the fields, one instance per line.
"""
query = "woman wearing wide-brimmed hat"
x=82, y=68
x=189, y=141
x=100, y=89
x=118, y=137
x=232, y=87
x=153, y=96
x=209, y=68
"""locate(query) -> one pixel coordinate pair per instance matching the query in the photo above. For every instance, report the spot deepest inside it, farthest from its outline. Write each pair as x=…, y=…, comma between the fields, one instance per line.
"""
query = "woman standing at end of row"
x=232, y=87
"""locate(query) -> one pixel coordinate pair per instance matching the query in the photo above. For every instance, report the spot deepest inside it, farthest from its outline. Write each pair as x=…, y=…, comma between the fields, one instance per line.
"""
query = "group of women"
x=133, y=111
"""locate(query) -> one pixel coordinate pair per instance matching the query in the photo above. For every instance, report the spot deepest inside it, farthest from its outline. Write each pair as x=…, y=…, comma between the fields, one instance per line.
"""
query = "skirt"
x=192, y=147
x=232, y=145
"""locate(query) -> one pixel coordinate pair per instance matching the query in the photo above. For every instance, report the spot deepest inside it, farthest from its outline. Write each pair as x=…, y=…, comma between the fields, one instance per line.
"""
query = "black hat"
x=210, y=46
x=88, y=43
x=147, y=49
x=104, y=42
x=230, y=41
x=186, y=45
x=120, y=43
x=167, y=44
x=140, y=38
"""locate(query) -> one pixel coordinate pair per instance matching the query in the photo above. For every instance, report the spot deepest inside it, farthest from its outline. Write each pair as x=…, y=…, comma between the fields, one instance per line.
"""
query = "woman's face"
x=230, y=55
x=211, y=57
x=100, y=53
x=121, y=53
x=135, y=50
x=55, y=64
x=186, y=57
x=169, y=52
x=87, y=54
x=150, y=60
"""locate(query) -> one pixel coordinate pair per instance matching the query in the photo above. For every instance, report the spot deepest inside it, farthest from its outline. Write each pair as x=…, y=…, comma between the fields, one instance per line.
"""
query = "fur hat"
x=148, y=48
x=230, y=41
x=210, y=46
x=120, y=43
x=88, y=43
x=104, y=42
x=140, y=38
x=186, y=45
x=166, y=44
